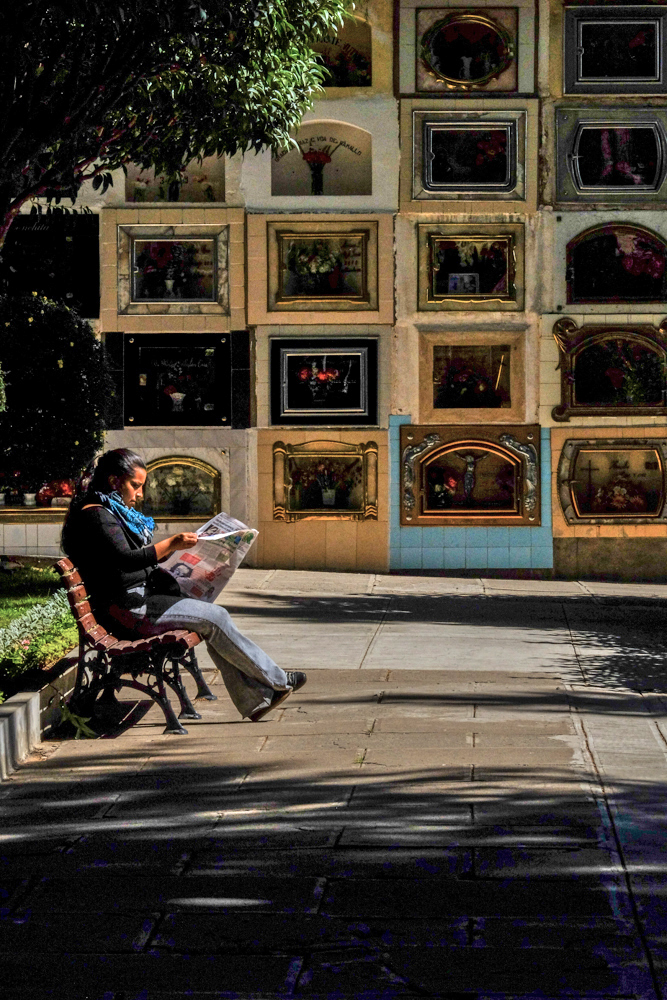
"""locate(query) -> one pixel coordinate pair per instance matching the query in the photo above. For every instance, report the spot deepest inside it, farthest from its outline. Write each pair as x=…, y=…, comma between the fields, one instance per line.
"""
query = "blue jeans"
x=250, y=676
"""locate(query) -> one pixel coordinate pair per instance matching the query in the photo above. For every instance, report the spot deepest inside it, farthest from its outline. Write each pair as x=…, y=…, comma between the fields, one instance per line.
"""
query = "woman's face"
x=131, y=488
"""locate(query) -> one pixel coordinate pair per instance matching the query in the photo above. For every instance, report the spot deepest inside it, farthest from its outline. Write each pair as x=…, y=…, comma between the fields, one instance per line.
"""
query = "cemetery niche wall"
x=173, y=269
x=196, y=183
x=607, y=369
x=467, y=377
x=478, y=475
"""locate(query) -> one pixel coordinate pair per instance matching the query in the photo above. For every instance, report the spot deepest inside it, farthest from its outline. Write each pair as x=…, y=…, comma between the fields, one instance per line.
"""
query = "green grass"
x=22, y=588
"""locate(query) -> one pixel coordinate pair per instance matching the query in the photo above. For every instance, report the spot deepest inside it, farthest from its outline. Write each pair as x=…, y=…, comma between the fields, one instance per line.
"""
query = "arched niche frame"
x=346, y=54
x=616, y=262
x=329, y=158
x=181, y=488
x=610, y=368
x=470, y=476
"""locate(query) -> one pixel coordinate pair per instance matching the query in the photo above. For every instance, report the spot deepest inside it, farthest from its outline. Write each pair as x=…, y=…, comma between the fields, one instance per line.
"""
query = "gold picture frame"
x=471, y=267
x=329, y=480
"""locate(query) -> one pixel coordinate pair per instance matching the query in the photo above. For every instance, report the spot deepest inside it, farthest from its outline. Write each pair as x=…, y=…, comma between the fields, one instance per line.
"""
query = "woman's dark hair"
x=119, y=462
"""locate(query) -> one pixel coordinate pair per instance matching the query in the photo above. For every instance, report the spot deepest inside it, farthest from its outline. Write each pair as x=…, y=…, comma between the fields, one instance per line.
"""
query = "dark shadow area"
x=215, y=882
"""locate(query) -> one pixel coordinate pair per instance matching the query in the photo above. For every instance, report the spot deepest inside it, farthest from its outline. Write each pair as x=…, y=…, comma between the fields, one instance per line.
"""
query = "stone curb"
x=28, y=715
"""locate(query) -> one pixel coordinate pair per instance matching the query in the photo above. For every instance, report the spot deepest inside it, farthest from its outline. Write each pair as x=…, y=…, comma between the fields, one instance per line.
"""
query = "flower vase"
x=177, y=401
x=329, y=498
x=29, y=499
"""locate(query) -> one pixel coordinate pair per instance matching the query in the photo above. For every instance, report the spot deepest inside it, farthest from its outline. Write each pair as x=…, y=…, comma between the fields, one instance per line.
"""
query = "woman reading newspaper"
x=110, y=542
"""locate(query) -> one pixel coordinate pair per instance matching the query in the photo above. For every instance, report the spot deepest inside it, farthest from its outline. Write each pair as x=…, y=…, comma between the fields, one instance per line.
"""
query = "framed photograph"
x=325, y=479
x=609, y=370
x=318, y=266
x=611, y=155
x=463, y=50
x=611, y=481
x=472, y=265
x=174, y=270
x=472, y=475
x=479, y=155
x=323, y=381
x=616, y=263
x=177, y=379
x=322, y=267
x=615, y=50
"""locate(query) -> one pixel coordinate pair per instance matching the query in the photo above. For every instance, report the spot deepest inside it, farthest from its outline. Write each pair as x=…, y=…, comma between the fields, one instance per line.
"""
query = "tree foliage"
x=89, y=85
x=57, y=381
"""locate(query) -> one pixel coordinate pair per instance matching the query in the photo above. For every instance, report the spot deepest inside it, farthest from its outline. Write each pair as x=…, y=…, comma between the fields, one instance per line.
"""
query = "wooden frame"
x=627, y=347
x=325, y=461
x=430, y=341
x=470, y=476
x=477, y=255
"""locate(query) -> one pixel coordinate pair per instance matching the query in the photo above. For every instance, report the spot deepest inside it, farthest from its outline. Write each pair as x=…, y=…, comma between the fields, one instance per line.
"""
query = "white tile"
x=15, y=537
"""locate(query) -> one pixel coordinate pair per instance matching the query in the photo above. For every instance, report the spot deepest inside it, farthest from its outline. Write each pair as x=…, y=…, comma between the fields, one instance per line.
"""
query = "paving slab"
x=465, y=801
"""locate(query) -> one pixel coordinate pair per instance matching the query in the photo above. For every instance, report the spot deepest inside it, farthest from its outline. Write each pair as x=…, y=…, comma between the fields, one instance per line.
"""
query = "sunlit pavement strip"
x=466, y=801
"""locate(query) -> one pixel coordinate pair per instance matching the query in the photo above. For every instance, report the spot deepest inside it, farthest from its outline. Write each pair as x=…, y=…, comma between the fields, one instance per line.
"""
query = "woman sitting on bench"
x=109, y=541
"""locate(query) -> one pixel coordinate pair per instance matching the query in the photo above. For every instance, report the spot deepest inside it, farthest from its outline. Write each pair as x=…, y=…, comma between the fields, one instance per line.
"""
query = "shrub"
x=57, y=382
x=37, y=638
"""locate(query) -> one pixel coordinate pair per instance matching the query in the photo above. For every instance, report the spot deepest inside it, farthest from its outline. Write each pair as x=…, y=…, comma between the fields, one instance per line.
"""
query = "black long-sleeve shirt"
x=109, y=559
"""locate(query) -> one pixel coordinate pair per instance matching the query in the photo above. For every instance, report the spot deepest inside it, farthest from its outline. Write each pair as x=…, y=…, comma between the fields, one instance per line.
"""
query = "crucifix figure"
x=469, y=475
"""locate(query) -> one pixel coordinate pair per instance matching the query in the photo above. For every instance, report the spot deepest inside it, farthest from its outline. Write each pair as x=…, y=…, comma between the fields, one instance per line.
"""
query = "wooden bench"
x=106, y=663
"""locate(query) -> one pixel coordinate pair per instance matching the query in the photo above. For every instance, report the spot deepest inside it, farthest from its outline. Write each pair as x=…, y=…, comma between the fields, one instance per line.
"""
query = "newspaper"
x=206, y=569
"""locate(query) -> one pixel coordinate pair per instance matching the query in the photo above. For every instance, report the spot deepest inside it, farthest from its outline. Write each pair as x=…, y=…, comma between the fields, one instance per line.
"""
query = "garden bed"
x=36, y=626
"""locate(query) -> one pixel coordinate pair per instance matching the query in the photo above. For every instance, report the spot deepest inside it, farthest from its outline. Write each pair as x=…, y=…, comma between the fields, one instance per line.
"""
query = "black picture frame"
x=615, y=50
x=470, y=156
x=323, y=381
x=177, y=380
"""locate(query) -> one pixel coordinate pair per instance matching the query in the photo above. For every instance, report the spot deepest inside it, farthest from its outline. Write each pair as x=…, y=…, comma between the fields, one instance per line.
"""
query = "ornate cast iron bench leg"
x=171, y=673
x=189, y=661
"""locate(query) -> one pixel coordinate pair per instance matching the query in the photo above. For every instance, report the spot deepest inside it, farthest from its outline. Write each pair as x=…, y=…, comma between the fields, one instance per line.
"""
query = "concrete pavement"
x=467, y=800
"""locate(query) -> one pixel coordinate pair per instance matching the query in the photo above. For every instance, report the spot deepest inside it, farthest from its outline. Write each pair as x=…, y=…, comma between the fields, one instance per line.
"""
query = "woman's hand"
x=183, y=540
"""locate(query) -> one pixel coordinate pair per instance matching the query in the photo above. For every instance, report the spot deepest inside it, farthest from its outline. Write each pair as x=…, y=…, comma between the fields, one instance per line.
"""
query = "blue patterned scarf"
x=140, y=526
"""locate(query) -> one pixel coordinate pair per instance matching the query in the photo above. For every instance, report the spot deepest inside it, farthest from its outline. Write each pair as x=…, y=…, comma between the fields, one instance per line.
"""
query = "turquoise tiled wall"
x=468, y=548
